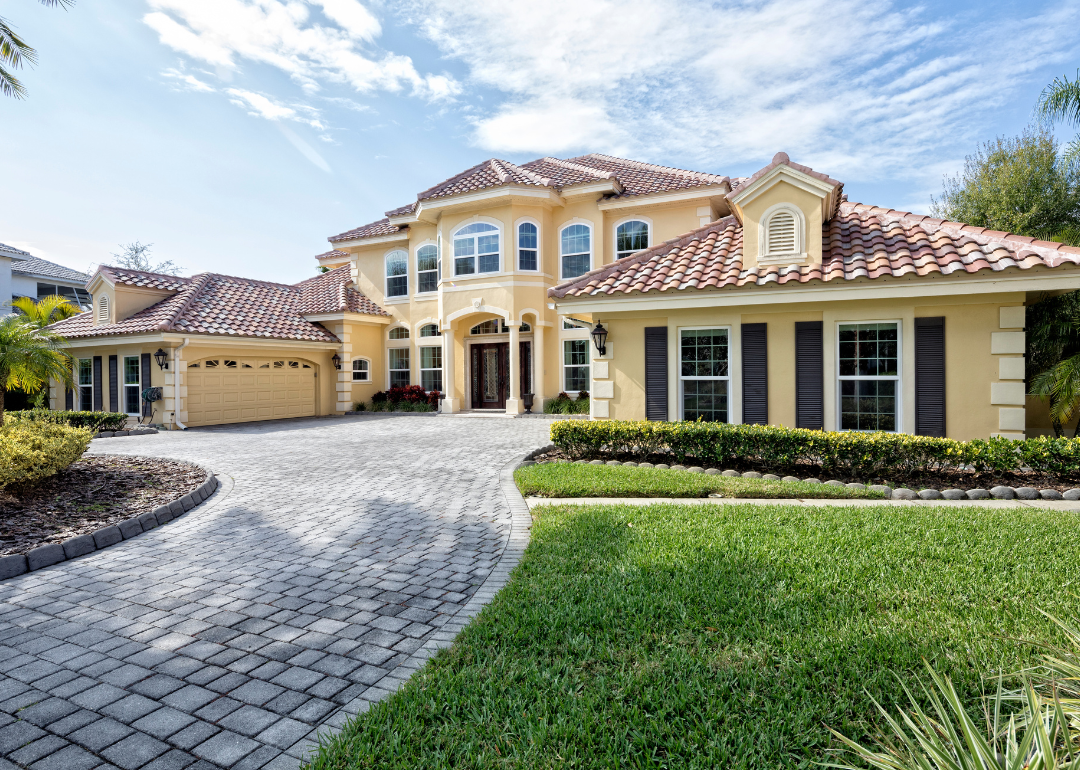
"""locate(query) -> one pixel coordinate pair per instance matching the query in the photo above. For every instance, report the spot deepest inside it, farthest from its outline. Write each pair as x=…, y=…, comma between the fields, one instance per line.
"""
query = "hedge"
x=851, y=453
x=31, y=451
x=95, y=421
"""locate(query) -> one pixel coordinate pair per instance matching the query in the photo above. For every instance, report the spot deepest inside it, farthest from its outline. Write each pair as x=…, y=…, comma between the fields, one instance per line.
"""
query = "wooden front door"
x=490, y=375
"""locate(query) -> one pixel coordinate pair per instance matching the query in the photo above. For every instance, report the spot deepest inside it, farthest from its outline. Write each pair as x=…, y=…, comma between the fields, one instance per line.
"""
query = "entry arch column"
x=451, y=397
x=514, y=404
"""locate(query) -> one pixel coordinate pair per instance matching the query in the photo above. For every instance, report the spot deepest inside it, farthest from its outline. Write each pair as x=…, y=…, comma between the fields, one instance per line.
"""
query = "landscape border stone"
x=143, y=431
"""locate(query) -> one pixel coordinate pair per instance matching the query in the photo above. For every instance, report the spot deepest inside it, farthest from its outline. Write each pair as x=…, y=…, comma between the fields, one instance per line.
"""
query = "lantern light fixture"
x=160, y=357
x=599, y=338
x=337, y=360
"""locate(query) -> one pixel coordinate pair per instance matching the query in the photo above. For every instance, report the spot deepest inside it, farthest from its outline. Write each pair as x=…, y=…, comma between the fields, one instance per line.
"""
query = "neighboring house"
x=770, y=299
x=24, y=275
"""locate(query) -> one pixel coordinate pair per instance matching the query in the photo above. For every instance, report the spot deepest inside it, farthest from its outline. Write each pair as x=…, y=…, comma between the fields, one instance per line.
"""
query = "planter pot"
x=527, y=398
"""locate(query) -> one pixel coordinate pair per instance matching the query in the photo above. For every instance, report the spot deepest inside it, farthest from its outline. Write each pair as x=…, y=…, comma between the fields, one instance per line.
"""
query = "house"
x=766, y=299
x=24, y=275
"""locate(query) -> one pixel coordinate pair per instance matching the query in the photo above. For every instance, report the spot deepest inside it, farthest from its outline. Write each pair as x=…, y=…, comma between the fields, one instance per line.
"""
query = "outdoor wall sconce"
x=599, y=338
x=160, y=357
x=337, y=360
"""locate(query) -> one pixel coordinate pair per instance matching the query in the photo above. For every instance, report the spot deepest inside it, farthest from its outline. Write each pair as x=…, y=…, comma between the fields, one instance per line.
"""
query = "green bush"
x=563, y=404
x=30, y=451
x=94, y=421
x=851, y=453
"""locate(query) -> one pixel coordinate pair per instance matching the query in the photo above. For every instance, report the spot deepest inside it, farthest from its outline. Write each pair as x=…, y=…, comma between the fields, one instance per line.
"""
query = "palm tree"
x=1053, y=355
x=1061, y=101
x=47, y=310
x=30, y=357
x=14, y=51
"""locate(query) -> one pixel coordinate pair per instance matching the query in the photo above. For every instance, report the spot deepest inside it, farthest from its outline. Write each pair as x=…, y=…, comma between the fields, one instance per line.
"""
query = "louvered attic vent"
x=781, y=233
x=103, y=309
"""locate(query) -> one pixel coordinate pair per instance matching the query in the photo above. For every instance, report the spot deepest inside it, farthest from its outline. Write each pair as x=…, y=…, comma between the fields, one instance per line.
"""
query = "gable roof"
x=210, y=303
x=35, y=266
x=14, y=253
x=861, y=241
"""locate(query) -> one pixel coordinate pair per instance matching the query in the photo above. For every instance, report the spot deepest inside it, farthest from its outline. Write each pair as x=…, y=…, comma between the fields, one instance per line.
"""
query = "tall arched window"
x=476, y=249
x=397, y=274
x=782, y=233
x=528, y=246
x=427, y=269
x=103, y=309
x=630, y=237
x=575, y=250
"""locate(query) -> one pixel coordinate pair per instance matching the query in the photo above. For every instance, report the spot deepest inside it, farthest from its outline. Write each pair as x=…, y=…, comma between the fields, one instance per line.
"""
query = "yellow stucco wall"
x=782, y=192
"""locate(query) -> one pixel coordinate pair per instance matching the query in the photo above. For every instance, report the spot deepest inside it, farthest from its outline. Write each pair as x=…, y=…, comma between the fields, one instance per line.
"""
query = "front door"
x=490, y=375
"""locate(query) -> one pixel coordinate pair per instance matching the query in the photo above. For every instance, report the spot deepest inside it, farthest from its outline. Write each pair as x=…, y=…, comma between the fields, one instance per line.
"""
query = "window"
x=397, y=274
x=576, y=250
x=566, y=325
x=431, y=368
x=430, y=330
x=427, y=269
x=869, y=376
x=399, y=333
x=361, y=370
x=703, y=374
x=631, y=237
x=103, y=309
x=781, y=234
x=131, y=384
x=487, y=327
x=399, y=367
x=575, y=365
x=528, y=246
x=476, y=249
x=86, y=384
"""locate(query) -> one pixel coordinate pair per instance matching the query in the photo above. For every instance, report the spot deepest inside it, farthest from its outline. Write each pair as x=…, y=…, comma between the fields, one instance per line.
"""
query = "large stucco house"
x=766, y=299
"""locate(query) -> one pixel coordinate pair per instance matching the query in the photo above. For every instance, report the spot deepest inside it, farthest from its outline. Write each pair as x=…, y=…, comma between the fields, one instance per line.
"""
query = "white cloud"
x=262, y=106
x=185, y=82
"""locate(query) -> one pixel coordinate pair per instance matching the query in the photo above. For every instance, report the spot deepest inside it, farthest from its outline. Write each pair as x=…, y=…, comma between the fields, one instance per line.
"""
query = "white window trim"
x=438, y=272
x=398, y=343
x=420, y=328
x=367, y=360
x=386, y=278
x=389, y=372
x=77, y=404
x=539, y=245
x=615, y=234
x=563, y=365
x=124, y=384
x=784, y=257
x=592, y=246
x=476, y=257
x=898, y=377
x=420, y=361
x=678, y=359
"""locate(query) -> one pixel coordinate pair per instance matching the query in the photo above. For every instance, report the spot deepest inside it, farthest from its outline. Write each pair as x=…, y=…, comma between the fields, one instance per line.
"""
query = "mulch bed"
x=92, y=493
x=940, y=481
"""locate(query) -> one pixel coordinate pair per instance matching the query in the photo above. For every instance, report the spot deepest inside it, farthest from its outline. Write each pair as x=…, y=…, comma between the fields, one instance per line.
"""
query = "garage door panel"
x=234, y=395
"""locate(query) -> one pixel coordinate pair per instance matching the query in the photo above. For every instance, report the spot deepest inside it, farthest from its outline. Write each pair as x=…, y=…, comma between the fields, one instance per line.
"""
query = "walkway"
x=334, y=549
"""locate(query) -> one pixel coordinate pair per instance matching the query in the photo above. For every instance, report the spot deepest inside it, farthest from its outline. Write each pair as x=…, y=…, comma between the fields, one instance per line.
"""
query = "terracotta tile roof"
x=490, y=173
x=210, y=303
x=782, y=159
x=144, y=279
x=639, y=178
x=402, y=210
x=333, y=253
x=372, y=230
x=42, y=267
x=859, y=242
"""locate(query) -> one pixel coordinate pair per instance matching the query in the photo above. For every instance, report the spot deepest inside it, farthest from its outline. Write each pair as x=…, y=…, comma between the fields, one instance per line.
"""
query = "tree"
x=1061, y=101
x=30, y=357
x=14, y=51
x=47, y=310
x=1020, y=185
x=136, y=256
x=1053, y=355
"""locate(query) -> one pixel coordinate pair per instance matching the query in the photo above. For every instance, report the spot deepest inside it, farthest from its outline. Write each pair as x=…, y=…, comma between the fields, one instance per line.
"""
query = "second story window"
x=398, y=333
x=397, y=274
x=430, y=330
x=476, y=249
x=631, y=237
x=528, y=246
x=575, y=249
x=427, y=269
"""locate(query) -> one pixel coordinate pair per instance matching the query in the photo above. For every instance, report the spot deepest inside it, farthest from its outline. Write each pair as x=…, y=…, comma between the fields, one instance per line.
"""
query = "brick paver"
x=333, y=552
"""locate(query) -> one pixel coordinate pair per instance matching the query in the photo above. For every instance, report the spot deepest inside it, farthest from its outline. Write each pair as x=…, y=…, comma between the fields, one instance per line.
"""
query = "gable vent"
x=780, y=236
x=103, y=309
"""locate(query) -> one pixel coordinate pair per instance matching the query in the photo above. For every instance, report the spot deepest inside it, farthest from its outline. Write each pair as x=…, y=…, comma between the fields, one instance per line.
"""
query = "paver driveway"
x=228, y=636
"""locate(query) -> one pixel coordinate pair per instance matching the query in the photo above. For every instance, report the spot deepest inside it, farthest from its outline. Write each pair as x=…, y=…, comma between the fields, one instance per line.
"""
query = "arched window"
x=487, y=327
x=397, y=274
x=782, y=234
x=476, y=249
x=399, y=333
x=575, y=249
x=528, y=246
x=427, y=269
x=430, y=330
x=630, y=237
x=361, y=370
x=103, y=309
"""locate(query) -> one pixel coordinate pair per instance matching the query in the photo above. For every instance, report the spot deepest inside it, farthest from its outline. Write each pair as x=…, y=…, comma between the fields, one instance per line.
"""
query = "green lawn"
x=686, y=636
x=574, y=480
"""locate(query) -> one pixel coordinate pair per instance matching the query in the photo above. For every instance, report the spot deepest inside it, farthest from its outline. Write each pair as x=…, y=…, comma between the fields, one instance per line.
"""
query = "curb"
x=54, y=553
x=144, y=431
x=814, y=502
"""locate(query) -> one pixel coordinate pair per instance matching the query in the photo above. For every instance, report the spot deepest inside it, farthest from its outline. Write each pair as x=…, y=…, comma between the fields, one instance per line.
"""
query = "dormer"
x=782, y=209
x=118, y=293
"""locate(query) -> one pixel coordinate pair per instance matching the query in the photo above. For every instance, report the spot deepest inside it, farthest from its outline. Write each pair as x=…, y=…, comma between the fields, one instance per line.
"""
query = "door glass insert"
x=491, y=374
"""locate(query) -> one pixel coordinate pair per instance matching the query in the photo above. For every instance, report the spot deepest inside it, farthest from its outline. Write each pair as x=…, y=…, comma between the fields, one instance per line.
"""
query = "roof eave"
x=351, y=242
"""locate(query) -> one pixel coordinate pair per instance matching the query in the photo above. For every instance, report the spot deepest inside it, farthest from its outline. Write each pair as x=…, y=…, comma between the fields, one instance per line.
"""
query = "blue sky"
x=236, y=135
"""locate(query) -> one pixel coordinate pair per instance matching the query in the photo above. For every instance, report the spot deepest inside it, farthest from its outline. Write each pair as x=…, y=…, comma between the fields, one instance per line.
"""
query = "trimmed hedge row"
x=850, y=453
x=95, y=421
x=31, y=451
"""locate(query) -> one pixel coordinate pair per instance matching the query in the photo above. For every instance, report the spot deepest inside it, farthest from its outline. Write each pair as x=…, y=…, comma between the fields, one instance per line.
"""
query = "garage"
x=225, y=390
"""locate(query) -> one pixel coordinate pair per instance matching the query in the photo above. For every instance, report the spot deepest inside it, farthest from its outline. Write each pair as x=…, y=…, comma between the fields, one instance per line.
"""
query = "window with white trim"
x=131, y=384
x=486, y=327
x=361, y=370
x=869, y=376
x=399, y=367
x=704, y=374
x=575, y=250
x=430, y=330
x=575, y=365
x=476, y=249
x=86, y=384
x=103, y=309
x=630, y=237
x=568, y=325
x=431, y=368
x=528, y=246
x=782, y=234
x=427, y=269
x=398, y=333
x=397, y=274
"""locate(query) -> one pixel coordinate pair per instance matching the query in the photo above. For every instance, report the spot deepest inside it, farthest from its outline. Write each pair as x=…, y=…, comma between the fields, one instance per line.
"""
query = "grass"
x=702, y=636
x=574, y=480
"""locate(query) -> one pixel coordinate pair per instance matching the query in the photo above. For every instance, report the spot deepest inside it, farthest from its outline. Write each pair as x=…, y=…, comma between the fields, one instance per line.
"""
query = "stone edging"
x=54, y=553
x=144, y=430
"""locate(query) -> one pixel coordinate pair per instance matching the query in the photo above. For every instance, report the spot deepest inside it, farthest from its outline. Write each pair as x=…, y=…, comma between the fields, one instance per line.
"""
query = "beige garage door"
x=224, y=390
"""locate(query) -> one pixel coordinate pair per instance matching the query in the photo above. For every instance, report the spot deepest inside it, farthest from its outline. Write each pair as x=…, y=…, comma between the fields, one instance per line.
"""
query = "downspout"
x=176, y=383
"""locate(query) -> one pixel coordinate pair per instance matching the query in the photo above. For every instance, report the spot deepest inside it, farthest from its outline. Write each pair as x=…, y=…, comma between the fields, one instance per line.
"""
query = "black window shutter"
x=755, y=374
x=69, y=399
x=114, y=385
x=809, y=375
x=145, y=383
x=656, y=374
x=98, y=395
x=930, y=376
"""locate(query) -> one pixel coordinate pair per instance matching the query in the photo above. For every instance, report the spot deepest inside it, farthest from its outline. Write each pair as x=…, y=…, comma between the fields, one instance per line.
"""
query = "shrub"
x=95, y=421
x=411, y=394
x=360, y=406
x=563, y=404
x=34, y=450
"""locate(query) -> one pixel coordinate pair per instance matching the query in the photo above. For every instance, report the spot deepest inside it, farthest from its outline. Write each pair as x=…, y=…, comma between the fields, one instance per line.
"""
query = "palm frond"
x=47, y=310
x=30, y=357
x=1061, y=100
x=61, y=3
x=1061, y=383
x=13, y=49
x=10, y=85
